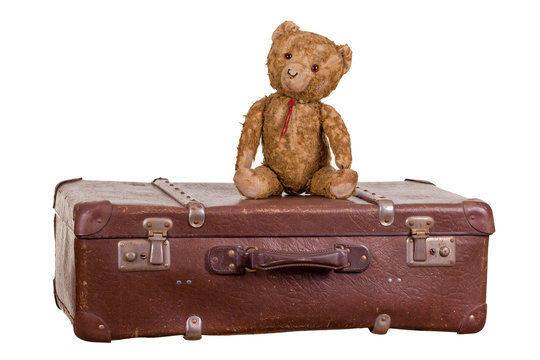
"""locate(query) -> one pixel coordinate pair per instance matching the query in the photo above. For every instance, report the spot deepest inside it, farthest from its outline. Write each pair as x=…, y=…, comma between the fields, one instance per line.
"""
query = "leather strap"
x=196, y=210
x=234, y=260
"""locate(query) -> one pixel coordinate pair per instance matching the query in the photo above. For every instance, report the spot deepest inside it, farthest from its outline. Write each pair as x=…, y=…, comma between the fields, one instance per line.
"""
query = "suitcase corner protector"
x=90, y=327
x=474, y=321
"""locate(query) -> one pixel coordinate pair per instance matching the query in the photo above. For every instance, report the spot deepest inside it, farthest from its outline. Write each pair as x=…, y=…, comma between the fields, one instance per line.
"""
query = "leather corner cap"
x=90, y=327
x=479, y=215
x=91, y=217
x=474, y=321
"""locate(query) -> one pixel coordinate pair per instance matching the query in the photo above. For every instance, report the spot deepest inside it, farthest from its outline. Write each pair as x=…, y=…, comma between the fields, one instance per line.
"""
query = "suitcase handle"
x=234, y=260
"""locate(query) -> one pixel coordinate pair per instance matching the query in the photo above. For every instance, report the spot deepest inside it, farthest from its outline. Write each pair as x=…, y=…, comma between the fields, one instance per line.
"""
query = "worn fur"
x=299, y=161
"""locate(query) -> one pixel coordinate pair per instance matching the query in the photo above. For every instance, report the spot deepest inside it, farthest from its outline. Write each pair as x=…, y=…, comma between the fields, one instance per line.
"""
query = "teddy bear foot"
x=247, y=183
x=256, y=184
x=344, y=185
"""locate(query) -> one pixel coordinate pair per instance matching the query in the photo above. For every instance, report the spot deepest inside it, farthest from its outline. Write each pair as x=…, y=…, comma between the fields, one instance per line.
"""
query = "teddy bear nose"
x=290, y=74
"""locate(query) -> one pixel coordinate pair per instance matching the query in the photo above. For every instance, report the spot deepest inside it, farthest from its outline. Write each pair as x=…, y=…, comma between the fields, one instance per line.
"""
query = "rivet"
x=363, y=258
x=411, y=262
x=149, y=224
x=411, y=223
x=472, y=217
x=99, y=221
x=398, y=280
x=428, y=222
x=444, y=251
x=101, y=327
x=188, y=282
x=122, y=244
x=130, y=256
x=389, y=280
x=167, y=224
x=384, y=318
x=215, y=259
x=165, y=243
x=471, y=317
x=179, y=282
x=193, y=321
x=231, y=253
x=451, y=240
x=410, y=240
x=386, y=220
x=232, y=266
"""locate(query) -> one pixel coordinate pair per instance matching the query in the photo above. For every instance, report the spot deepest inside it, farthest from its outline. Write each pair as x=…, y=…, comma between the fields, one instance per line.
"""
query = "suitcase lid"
x=105, y=209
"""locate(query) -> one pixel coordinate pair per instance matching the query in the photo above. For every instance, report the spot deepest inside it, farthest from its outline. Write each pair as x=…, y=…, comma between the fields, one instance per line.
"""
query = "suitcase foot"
x=382, y=324
x=193, y=328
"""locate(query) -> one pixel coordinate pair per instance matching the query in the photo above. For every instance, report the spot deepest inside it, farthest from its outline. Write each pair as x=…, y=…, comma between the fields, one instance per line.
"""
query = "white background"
x=130, y=90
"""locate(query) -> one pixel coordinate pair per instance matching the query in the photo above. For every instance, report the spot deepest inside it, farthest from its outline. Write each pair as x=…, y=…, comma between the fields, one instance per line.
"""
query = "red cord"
x=288, y=118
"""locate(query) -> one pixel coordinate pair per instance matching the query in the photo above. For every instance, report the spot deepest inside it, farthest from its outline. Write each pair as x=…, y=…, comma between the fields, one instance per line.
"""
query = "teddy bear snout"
x=295, y=77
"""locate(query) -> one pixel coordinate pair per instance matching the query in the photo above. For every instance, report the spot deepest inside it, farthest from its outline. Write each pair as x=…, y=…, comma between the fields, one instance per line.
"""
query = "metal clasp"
x=426, y=250
x=157, y=234
x=147, y=255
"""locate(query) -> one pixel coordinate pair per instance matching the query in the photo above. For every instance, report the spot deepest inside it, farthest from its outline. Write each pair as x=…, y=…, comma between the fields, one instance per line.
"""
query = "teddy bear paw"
x=344, y=185
x=248, y=183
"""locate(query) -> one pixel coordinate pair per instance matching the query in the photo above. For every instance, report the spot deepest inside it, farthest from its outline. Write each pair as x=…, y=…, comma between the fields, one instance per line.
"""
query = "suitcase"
x=156, y=259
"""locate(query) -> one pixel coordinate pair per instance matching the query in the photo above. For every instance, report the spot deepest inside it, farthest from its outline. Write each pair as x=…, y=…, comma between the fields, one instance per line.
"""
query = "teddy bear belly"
x=295, y=162
x=293, y=173
x=297, y=154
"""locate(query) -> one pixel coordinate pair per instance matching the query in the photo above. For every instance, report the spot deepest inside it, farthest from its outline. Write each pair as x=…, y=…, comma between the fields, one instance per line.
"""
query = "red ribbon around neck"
x=288, y=118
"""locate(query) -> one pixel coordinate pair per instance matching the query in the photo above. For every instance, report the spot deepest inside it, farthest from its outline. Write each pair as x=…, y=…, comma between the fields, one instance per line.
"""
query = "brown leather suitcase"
x=156, y=259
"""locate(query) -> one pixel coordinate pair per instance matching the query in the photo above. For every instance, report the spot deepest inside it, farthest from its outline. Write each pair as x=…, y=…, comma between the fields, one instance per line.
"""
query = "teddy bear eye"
x=315, y=68
x=288, y=56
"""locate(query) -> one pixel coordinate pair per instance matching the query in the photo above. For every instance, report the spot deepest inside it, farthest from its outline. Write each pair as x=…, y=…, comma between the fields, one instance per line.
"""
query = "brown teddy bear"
x=296, y=127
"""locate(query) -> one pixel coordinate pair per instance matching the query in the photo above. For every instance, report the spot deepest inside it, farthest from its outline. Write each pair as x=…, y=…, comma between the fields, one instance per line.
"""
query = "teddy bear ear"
x=287, y=27
x=346, y=53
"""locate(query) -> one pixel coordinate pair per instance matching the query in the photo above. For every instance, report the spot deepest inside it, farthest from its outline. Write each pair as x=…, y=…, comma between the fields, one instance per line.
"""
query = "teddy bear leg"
x=258, y=183
x=335, y=184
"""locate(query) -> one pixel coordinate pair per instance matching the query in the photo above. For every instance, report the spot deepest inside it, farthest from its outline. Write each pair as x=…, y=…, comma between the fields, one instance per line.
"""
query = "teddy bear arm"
x=338, y=136
x=251, y=135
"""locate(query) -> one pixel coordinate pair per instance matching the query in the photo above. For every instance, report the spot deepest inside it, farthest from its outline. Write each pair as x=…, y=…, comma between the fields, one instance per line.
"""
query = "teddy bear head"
x=305, y=65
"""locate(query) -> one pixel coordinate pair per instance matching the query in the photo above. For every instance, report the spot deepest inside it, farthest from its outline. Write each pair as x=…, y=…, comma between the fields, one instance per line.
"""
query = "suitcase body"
x=157, y=259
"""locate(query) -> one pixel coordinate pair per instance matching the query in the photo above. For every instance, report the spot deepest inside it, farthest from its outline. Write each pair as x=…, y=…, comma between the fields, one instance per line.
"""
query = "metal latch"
x=426, y=250
x=149, y=254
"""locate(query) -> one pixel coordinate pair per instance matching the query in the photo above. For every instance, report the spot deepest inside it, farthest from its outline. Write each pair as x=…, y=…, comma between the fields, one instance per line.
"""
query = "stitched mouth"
x=291, y=75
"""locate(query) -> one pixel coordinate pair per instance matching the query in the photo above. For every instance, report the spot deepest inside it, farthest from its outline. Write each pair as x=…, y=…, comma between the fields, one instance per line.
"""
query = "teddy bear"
x=296, y=128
